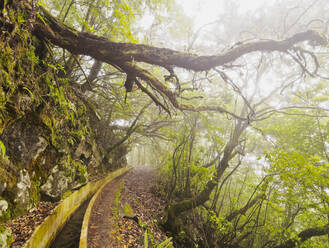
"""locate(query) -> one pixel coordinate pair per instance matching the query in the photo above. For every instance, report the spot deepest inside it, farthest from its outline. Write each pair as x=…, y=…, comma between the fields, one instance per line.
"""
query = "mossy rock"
x=5, y=212
x=25, y=139
x=5, y=237
x=7, y=178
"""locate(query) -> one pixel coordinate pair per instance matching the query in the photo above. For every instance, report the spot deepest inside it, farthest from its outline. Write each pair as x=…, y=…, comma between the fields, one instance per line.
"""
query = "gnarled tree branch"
x=124, y=56
x=305, y=235
x=117, y=53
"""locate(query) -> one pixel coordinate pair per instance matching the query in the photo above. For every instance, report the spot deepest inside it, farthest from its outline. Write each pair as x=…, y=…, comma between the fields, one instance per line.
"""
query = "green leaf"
x=145, y=239
x=3, y=150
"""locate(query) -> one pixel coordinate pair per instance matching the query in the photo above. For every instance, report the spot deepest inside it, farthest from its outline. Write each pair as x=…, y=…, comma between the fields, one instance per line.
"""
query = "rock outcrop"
x=49, y=142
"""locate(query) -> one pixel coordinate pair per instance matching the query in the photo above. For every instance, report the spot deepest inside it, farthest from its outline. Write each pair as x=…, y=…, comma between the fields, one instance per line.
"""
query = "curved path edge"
x=84, y=230
x=46, y=232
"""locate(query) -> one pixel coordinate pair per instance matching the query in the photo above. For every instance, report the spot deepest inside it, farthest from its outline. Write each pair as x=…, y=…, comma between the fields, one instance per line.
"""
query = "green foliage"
x=299, y=198
x=296, y=180
x=117, y=202
x=296, y=168
x=149, y=238
x=220, y=224
x=128, y=211
x=122, y=14
x=201, y=175
x=165, y=244
x=146, y=239
x=81, y=170
x=3, y=150
x=29, y=80
x=295, y=133
x=35, y=191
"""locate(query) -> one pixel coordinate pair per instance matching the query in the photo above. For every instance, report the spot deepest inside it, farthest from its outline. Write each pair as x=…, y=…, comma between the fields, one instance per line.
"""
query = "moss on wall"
x=45, y=127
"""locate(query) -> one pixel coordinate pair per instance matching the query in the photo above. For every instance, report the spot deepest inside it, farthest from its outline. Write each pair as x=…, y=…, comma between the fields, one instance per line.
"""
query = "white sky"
x=206, y=11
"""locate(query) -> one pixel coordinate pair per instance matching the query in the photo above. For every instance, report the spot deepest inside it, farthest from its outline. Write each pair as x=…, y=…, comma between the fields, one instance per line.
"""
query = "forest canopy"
x=233, y=113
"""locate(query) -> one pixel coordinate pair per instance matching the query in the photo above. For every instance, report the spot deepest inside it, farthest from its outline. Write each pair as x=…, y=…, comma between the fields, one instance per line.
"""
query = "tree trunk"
x=176, y=209
x=305, y=235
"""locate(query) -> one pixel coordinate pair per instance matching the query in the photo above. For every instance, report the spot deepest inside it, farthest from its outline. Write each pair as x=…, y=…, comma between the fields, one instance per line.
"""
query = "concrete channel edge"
x=47, y=231
x=84, y=230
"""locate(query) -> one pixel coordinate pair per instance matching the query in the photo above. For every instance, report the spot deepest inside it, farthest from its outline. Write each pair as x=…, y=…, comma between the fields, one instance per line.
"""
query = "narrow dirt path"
x=111, y=227
x=102, y=216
